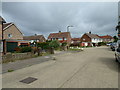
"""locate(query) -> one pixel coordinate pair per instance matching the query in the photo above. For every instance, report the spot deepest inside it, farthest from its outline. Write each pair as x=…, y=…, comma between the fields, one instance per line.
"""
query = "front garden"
x=39, y=49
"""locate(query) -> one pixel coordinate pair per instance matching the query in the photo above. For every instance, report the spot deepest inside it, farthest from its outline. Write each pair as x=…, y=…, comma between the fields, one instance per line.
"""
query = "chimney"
x=90, y=32
x=35, y=34
x=59, y=31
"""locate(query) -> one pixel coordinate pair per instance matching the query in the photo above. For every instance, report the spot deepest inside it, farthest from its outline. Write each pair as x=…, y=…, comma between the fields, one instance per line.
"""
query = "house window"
x=65, y=38
x=60, y=39
x=9, y=35
x=84, y=39
x=53, y=38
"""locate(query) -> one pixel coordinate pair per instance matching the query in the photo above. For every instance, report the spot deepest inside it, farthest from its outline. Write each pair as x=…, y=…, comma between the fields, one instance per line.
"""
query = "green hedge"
x=55, y=44
x=25, y=49
x=44, y=45
x=101, y=43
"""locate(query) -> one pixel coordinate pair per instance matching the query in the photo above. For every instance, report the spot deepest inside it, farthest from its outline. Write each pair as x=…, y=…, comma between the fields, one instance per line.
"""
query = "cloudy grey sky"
x=48, y=17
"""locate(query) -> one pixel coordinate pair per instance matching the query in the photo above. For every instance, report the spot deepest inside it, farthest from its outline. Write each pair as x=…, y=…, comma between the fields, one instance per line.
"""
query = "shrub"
x=10, y=70
x=64, y=44
x=44, y=45
x=25, y=49
x=55, y=44
x=101, y=43
x=17, y=49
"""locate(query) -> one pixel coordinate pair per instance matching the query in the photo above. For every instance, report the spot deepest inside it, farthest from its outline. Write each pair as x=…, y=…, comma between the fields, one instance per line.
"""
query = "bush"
x=64, y=44
x=101, y=43
x=44, y=45
x=25, y=49
x=17, y=49
x=10, y=70
x=75, y=44
x=55, y=44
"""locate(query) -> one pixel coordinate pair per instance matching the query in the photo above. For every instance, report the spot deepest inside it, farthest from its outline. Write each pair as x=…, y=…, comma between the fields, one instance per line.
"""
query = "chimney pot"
x=90, y=32
x=59, y=31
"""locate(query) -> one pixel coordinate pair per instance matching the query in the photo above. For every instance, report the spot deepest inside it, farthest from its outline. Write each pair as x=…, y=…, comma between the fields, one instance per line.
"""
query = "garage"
x=11, y=46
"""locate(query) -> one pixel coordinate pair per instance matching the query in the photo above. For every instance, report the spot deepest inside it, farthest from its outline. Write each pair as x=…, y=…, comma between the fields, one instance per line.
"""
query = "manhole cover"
x=28, y=80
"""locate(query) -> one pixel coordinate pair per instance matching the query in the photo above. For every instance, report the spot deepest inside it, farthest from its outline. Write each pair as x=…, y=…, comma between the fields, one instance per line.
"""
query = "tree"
x=115, y=38
x=44, y=45
x=54, y=44
x=64, y=44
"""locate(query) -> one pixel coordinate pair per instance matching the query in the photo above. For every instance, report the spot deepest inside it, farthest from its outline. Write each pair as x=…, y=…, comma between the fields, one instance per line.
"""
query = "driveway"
x=92, y=68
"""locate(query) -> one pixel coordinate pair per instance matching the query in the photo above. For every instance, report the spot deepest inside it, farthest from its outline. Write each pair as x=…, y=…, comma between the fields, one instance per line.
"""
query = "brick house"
x=11, y=31
x=75, y=41
x=61, y=37
x=1, y=21
x=1, y=44
x=89, y=39
x=36, y=38
x=107, y=38
x=12, y=37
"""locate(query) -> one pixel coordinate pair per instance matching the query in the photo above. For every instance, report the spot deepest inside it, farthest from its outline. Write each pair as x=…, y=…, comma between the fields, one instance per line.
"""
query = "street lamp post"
x=68, y=28
x=35, y=40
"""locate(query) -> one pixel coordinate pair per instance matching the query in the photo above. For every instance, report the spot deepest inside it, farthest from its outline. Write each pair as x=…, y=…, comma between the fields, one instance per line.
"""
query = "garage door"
x=11, y=46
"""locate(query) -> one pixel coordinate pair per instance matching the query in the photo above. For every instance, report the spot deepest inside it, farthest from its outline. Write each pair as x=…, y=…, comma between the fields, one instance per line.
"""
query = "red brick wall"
x=69, y=39
x=16, y=34
x=43, y=39
x=86, y=37
x=0, y=31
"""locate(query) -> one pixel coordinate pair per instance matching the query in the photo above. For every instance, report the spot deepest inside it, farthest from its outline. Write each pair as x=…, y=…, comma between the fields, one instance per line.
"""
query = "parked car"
x=108, y=44
x=113, y=46
x=117, y=51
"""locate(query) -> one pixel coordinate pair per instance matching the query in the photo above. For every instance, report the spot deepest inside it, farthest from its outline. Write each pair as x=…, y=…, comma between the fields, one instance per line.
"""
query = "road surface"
x=91, y=68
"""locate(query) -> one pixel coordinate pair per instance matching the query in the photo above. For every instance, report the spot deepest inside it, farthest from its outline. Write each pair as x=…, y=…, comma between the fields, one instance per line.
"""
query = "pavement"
x=19, y=64
x=92, y=68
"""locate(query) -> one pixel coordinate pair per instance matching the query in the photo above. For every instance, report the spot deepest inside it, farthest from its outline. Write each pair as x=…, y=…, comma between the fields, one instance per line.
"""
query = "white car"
x=117, y=51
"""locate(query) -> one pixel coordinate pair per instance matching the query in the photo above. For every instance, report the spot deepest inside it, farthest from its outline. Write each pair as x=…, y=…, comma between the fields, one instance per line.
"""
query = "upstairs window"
x=9, y=35
x=84, y=39
x=53, y=38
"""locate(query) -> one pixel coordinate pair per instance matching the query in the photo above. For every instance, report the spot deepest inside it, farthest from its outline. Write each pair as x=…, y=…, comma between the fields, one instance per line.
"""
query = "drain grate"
x=28, y=80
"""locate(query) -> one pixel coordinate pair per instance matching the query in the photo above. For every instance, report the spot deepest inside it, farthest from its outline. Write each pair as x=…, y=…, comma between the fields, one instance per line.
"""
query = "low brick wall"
x=16, y=56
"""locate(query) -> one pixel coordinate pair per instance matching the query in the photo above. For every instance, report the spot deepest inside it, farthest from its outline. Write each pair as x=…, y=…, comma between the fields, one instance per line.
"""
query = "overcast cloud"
x=44, y=18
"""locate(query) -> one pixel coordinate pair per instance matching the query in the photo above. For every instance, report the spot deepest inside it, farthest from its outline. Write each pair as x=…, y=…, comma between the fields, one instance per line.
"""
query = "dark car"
x=117, y=51
x=113, y=46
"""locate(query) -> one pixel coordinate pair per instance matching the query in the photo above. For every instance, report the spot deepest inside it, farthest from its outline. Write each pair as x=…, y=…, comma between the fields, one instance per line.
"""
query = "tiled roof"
x=106, y=37
x=93, y=35
x=6, y=25
x=59, y=35
x=62, y=41
x=37, y=37
x=1, y=19
x=76, y=39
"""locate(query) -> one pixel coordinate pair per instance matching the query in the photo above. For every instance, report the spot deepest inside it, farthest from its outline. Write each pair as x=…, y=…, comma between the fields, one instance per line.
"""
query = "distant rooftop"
x=59, y=35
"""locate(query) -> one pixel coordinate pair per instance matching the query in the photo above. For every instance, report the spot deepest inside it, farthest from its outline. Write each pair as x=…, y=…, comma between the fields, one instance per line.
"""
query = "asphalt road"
x=92, y=68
